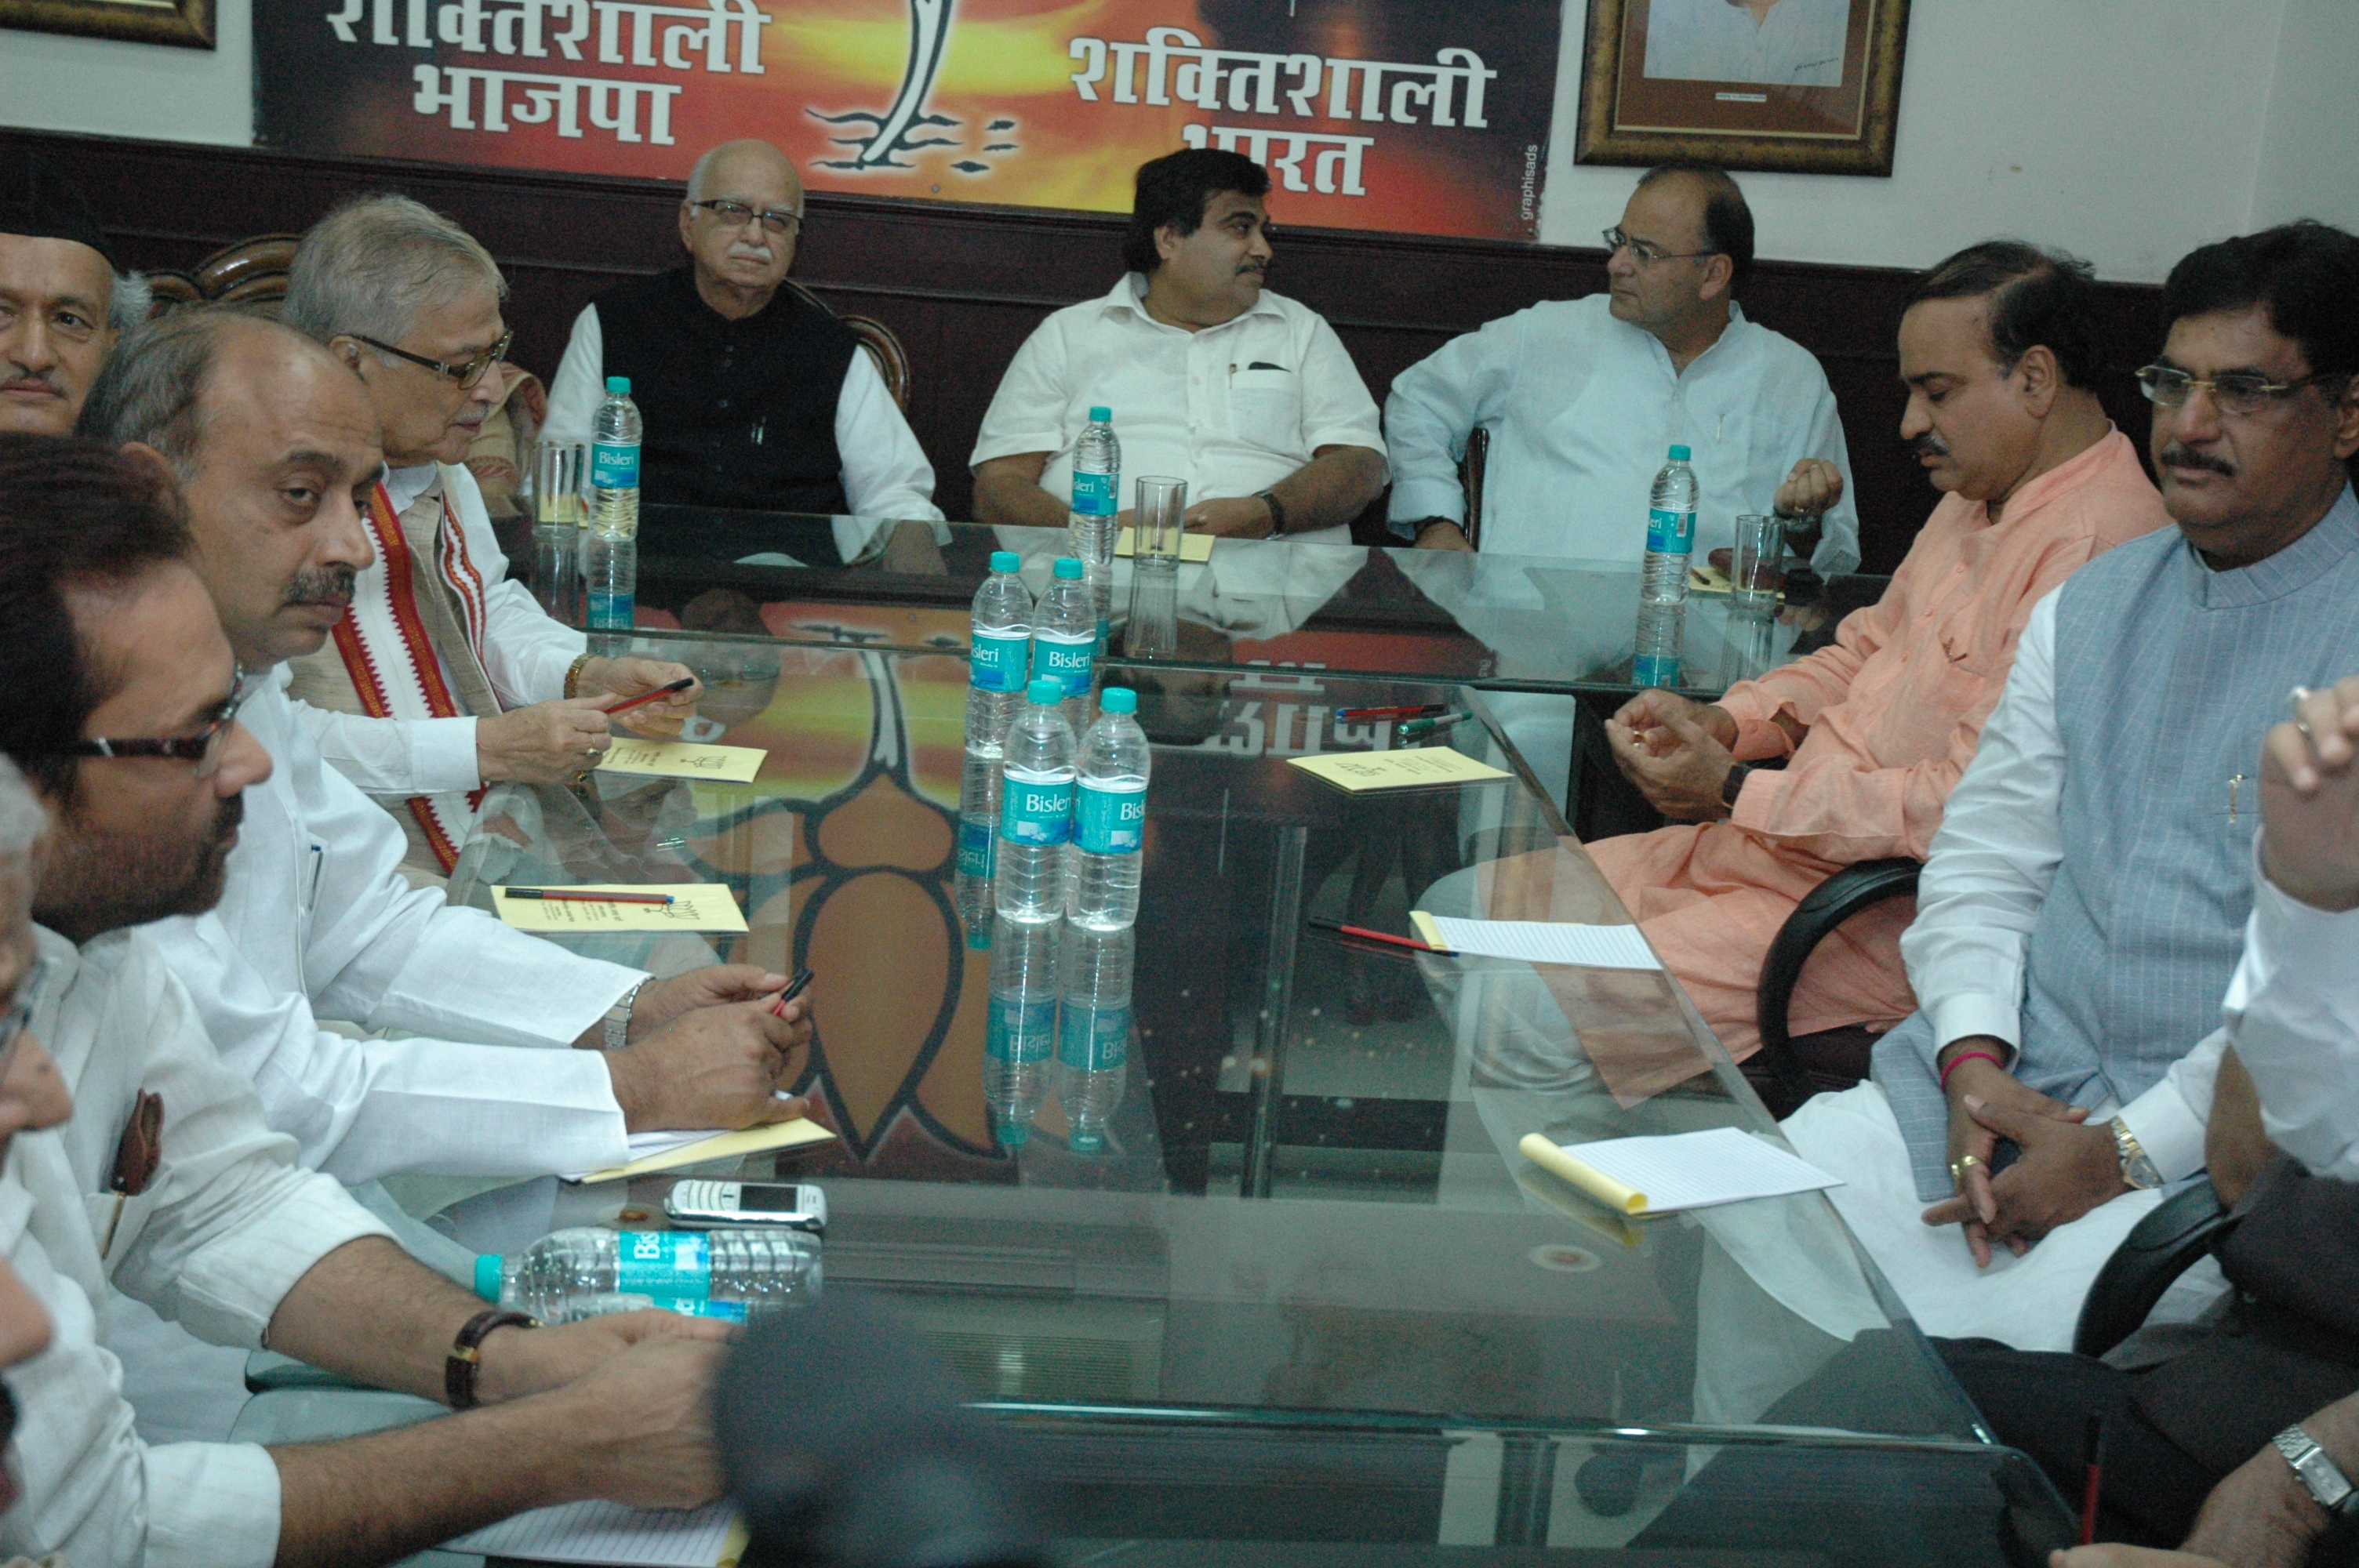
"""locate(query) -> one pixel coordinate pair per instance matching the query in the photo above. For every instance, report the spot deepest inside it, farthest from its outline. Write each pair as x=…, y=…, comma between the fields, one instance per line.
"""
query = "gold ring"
x=1959, y=1167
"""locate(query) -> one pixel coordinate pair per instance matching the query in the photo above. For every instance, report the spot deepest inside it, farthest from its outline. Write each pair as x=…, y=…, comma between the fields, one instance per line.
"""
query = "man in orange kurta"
x=1997, y=348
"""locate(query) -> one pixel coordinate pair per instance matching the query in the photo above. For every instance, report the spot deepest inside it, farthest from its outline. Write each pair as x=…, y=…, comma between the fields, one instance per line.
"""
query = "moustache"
x=316, y=588
x=761, y=253
x=28, y=379
x=226, y=817
x=2176, y=456
x=1929, y=445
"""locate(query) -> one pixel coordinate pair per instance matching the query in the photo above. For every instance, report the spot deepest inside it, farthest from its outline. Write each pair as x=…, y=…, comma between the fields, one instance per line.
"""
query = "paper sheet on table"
x=1548, y=942
x=1678, y=1171
x=709, y=1537
x=694, y=906
x=679, y=760
x=1192, y=546
x=1357, y=770
x=653, y=1152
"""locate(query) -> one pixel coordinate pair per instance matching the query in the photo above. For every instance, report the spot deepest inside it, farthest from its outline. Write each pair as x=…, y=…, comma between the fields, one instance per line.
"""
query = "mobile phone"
x=705, y=1205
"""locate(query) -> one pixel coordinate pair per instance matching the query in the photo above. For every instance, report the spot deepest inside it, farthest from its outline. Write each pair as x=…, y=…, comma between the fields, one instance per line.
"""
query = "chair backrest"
x=892, y=360
x=1469, y=477
x=251, y=273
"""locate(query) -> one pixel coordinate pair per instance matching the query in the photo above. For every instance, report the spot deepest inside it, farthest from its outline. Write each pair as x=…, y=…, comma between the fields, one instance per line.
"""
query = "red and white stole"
x=423, y=595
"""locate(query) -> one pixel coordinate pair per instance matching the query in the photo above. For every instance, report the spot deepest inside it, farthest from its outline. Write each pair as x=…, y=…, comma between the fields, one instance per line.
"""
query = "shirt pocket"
x=1265, y=406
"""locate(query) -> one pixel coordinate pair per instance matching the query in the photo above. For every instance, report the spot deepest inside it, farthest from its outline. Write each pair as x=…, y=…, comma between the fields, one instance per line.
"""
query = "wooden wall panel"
x=963, y=285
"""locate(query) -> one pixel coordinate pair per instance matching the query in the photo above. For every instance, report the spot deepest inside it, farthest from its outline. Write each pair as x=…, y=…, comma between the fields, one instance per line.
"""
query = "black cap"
x=42, y=203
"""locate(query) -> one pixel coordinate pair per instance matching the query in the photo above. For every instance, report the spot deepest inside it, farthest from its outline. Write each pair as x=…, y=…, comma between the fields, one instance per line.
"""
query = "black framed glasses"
x=466, y=374
x=1647, y=250
x=2241, y=393
x=733, y=214
x=203, y=748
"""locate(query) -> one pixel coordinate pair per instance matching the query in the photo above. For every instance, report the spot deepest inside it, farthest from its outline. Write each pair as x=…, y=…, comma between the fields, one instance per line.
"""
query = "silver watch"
x=618, y=1017
x=2321, y=1477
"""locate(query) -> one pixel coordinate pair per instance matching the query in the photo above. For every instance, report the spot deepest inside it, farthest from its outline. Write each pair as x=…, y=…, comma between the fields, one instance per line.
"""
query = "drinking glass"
x=559, y=468
x=1757, y=574
x=1162, y=503
x=559, y=513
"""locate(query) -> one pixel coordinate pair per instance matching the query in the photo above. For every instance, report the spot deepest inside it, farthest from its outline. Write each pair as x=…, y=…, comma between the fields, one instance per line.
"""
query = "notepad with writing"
x=1192, y=546
x=694, y=906
x=1542, y=941
x=1405, y=769
x=654, y=1151
x=1666, y=1173
x=679, y=760
x=709, y=1537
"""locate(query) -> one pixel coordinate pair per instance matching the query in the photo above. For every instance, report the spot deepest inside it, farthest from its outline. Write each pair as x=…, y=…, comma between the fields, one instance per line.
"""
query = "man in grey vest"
x=2086, y=897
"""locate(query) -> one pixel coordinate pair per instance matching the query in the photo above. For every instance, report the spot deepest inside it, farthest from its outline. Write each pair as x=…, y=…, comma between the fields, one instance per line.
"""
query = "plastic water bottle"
x=1097, y=491
x=1036, y=810
x=1093, y=1031
x=1109, y=817
x=1663, y=580
x=705, y=1273
x=1020, y=1032
x=614, y=569
x=998, y=672
x=1064, y=638
x=614, y=438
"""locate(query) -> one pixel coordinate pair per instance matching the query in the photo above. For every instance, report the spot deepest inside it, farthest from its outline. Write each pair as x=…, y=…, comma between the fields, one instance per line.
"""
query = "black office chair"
x=2161, y=1247
x=1787, y=1071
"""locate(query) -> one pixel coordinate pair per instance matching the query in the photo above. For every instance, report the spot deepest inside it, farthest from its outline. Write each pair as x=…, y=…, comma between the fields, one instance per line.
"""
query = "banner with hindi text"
x=1402, y=116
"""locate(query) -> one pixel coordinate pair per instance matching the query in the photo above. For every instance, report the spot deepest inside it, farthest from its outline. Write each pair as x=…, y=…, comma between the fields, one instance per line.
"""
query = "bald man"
x=753, y=396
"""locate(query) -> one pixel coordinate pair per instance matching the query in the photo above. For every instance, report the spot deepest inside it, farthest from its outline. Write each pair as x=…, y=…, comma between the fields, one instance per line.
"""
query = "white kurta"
x=226, y=1227
x=2293, y=1017
x=1583, y=409
x=884, y=473
x=526, y=652
x=318, y=922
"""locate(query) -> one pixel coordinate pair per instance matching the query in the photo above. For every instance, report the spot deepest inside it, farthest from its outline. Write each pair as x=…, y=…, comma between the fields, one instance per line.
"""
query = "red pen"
x=2093, y=1464
x=656, y=695
x=1417, y=711
x=794, y=988
x=1365, y=934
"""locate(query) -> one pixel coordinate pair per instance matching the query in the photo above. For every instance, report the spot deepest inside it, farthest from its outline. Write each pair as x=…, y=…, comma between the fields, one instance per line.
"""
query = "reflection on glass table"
x=1294, y=1296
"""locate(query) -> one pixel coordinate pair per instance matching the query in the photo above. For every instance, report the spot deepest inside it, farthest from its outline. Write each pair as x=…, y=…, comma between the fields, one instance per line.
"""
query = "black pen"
x=794, y=988
x=575, y=895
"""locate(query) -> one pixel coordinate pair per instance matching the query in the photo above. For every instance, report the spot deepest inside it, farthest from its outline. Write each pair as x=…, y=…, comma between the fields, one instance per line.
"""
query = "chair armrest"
x=1814, y=919
x=2182, y=1228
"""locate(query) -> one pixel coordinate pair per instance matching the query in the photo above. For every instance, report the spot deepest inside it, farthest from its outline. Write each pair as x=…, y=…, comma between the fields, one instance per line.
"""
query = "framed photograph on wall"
x=1803, y=86
x=188, y=24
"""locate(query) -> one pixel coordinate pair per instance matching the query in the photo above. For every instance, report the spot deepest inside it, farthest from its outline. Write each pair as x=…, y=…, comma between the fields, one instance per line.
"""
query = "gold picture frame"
x=1649, y=94
x=184, y=24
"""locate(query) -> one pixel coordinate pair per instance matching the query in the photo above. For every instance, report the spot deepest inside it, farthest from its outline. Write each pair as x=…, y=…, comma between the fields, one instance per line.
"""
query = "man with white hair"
x=444, y=676
x=753, y=396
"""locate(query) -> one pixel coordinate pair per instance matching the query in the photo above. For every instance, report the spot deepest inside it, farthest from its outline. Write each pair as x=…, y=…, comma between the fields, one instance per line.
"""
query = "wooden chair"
x=251, y=273
x=1470, y=477
x=892, y=360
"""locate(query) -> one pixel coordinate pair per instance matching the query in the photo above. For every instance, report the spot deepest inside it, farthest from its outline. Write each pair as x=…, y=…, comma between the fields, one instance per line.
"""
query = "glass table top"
x=1308, y=1298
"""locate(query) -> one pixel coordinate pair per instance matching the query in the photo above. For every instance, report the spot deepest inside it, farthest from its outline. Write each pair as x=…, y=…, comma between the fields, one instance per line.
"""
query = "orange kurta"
x=1893, y=710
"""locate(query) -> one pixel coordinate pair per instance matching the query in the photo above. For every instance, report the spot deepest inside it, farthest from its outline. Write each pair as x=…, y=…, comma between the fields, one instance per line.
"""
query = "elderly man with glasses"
x=754, y=396
x=444, y=676
x=1583, y=398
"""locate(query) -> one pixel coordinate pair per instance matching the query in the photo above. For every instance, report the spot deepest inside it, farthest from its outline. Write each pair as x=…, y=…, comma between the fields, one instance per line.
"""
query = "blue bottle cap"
x=620, y=385
x=1006, y=561
x=978, y=938
x=1068, y=567
x=1081, y=1142
x=1101, y=415
x=487, y=1275
x=1679, y=454
x=1046, y=692
x=1118, y=699
x=1015, y=1134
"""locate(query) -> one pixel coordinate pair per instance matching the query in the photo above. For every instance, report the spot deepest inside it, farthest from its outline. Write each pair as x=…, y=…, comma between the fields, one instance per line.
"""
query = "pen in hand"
x=656, y=695
x=795, y=988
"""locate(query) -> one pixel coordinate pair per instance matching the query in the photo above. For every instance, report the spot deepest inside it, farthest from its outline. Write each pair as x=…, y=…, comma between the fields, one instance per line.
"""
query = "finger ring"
x=2303, y=725
x=2295, y=698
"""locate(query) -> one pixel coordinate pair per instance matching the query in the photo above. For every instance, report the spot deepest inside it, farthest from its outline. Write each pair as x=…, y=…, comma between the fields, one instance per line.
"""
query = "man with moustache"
x=753, y=396
x=445, y=675
x=2086, y=898
x=57, y=297
x=1999, y=352
x=1247, y=395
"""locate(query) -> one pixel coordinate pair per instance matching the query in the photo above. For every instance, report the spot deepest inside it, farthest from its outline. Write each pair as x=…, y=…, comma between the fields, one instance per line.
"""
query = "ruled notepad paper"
x=1549, y=942
x=614, y=1534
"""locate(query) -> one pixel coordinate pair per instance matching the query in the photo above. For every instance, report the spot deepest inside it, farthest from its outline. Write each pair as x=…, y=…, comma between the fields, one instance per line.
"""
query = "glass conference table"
x=1308, y=1303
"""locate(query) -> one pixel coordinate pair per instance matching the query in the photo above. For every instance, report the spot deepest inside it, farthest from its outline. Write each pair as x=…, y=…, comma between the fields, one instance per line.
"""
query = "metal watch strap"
x=467, y=1353
x=2139, y=1172
x=1276, y=511
x=618, y=1017
x=1734, y=784
x=2320, y=1475
x=573, y=676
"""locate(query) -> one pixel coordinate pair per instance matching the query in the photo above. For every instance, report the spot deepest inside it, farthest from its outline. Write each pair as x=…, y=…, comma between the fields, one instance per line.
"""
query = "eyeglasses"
x=466, y=374
x=2238, y=392
x=1647, y=250
x=203, y=748
x=733, y=214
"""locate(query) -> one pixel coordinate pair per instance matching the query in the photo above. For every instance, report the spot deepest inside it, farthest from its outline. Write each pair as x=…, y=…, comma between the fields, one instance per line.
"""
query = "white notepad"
x=709, y=1537
x=1678, y=1171
x=1548, y=942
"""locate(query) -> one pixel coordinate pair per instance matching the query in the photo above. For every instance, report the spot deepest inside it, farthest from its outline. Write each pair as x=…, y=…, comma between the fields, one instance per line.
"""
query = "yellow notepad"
x=695, y=906
x=1192, y=546
x=1357, y=770
x=678, y=760
x=720, y=1146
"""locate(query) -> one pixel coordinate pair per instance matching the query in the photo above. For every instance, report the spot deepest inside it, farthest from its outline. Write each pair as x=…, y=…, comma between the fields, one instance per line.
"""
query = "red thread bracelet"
x=1964, y=1057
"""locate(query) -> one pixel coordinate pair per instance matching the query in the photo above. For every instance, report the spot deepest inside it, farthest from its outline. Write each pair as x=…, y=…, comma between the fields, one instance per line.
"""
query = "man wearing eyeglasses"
x=754, y=395
x=1583, y=398
x=2086, y=897
x=445, y=675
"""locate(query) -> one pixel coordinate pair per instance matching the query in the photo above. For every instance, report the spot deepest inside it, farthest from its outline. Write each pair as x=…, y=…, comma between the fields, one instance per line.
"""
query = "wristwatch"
x=618, y=1018
x=2321, y=1477
x=2138, y=1172
x=1277, y=511
x=1734, y=784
